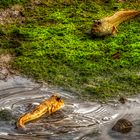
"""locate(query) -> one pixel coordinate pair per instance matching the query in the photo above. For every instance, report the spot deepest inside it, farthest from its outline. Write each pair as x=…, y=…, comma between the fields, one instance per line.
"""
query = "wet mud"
x=77, y=120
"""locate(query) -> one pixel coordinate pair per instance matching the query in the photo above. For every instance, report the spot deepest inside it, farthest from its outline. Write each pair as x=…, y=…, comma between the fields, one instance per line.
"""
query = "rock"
x=6, y=115
x=122, y=0
x=2, y=76
x=106, y=119
x=122, y=100
x=122, y=126
x=37, y=2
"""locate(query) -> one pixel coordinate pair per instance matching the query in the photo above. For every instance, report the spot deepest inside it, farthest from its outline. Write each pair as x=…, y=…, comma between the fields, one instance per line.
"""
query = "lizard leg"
x=114, y=30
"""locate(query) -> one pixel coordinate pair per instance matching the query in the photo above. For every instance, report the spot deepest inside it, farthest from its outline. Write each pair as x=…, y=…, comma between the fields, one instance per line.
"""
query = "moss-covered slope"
x=51, y=45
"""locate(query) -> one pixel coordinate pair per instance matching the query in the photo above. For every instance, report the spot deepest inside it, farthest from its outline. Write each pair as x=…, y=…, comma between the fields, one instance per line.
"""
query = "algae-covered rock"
x=6, y=115
x=123, y=126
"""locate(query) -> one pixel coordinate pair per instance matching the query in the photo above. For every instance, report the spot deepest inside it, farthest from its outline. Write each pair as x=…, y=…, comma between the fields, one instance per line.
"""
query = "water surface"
x=77, y=120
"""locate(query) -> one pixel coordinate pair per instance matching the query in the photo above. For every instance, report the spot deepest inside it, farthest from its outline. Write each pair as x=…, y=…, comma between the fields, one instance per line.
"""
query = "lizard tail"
x=124, y=15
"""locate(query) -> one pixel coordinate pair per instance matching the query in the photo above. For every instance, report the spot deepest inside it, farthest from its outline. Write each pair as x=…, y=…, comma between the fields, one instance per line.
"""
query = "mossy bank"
x=50, y=44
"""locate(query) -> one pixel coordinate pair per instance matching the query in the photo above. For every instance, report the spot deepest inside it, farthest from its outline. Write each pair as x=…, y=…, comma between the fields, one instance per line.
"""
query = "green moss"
x=51, y=45
x=7, y=3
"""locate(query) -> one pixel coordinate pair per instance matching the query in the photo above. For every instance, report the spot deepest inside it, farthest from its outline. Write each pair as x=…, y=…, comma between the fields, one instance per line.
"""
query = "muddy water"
x=77, y=120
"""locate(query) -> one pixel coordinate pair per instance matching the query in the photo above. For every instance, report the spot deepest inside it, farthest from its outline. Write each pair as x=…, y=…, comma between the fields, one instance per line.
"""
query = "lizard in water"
x=49, y=106
x=108, y=25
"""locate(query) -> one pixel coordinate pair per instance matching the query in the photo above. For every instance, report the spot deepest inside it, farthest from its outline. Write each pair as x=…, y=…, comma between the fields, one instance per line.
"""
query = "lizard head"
x=58, y=102
x=96, y=28
x=101, y=28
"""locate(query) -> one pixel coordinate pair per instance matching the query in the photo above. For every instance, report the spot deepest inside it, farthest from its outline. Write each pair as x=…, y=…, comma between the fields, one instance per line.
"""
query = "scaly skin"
x=107, y=25
x=50, y=105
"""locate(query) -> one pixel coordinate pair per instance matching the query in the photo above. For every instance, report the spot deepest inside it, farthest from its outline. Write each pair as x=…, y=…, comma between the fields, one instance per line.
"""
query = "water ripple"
x=78, y=120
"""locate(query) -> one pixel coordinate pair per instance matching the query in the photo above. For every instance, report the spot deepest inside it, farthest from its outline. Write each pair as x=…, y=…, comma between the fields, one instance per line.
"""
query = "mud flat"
x=77, y=120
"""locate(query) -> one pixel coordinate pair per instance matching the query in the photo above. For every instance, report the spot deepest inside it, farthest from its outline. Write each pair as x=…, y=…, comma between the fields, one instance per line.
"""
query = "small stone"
x=122, y=126
x=98, y=121
x=122, y=0
x=2, y=76
x=122, y=100
x=37, y=2
x=6, y=115
x=106, y=119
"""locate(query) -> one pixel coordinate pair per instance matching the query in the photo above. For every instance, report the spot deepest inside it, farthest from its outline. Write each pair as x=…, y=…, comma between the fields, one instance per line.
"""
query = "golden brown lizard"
x=107, y=25
x=50, y=105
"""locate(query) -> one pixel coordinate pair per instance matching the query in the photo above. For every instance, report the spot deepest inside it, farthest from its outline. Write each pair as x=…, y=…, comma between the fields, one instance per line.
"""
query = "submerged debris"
x=122, y=126
x=122, y=100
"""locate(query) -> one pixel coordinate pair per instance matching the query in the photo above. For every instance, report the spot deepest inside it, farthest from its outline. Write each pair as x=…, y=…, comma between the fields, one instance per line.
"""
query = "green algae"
x=51, y=45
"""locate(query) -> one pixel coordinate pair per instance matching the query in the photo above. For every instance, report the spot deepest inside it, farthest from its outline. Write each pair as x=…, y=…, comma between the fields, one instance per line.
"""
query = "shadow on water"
x=77, y=120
